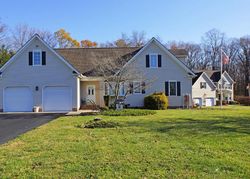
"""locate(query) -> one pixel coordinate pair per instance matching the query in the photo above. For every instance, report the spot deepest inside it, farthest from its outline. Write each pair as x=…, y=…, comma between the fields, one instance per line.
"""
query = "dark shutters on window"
x=178, y=88
x=30, y=58
x=130, y=88
x=166, y=88
x=43, y=58
x=143, y=87
x=159, y=60
x=147, y=61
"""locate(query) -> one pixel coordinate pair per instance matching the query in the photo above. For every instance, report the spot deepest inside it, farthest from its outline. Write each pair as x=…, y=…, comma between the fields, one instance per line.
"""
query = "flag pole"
x=221, y=96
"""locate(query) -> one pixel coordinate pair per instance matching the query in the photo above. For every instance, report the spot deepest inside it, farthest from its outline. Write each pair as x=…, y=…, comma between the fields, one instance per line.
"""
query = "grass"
x=128, y=112
x=200, y=143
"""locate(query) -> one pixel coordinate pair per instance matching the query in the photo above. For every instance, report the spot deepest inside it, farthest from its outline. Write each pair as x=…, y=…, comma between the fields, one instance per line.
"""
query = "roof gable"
x=26, y=45
x=206, y=77
x=179, y=62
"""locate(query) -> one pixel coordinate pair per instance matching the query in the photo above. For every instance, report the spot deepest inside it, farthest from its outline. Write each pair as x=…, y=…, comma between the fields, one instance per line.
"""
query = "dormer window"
x=37, y=58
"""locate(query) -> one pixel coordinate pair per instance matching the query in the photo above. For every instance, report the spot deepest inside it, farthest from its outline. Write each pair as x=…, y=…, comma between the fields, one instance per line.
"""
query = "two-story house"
x=207, y=87
x=60, y=79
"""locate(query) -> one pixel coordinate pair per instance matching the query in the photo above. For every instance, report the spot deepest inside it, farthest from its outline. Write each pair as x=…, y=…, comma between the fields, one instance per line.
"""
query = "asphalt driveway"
x=12, y=125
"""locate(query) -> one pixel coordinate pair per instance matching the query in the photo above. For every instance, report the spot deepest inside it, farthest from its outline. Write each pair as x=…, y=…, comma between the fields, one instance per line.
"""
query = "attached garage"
x=17, y=99
x=209, y=101
x=197, y=101
x=57, y=98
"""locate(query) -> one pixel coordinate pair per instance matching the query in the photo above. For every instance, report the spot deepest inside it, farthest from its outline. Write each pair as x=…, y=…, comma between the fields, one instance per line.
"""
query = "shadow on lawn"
x=217, y=125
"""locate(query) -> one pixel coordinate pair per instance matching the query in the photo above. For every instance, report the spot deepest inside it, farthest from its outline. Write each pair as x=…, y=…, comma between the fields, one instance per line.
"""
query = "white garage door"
x=57, y=99
x=209, y=102
x=17, y=99
x=198, y=101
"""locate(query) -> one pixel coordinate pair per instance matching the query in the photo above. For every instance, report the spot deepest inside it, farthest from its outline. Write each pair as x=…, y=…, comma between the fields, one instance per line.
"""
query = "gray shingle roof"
x=197, y=77
x=82, y=58
x=214, y=75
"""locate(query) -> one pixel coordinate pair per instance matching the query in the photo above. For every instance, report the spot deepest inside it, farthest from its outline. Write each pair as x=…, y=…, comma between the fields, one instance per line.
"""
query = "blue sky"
x=105, y=20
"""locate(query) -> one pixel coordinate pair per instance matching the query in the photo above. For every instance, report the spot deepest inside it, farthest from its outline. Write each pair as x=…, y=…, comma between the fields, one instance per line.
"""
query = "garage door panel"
x=18, y=99
x=57, y=99
x=209, y=102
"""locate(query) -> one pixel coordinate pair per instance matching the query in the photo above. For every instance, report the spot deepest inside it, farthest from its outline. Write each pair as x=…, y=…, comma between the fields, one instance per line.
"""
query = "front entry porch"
x=227, y=95
x=91, y=93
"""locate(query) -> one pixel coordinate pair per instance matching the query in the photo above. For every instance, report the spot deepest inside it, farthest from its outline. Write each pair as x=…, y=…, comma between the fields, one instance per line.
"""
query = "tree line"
x=201, y=56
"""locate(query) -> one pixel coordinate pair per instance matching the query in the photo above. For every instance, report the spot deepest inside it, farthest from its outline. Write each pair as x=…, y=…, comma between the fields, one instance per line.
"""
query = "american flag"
x=224, y=58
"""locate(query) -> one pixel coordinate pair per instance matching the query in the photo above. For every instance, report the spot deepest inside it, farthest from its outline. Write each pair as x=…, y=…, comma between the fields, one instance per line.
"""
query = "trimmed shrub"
x=156, y=101
x=128, y=112
x=243, y=100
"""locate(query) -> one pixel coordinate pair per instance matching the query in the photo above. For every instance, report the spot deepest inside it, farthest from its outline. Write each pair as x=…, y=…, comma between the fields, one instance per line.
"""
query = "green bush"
x=156, y=101
x=128, y=112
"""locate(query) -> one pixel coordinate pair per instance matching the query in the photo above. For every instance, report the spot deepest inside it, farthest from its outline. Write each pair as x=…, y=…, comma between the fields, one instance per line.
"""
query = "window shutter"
x=143, y=85
x=43, y=58
x=147, y=61
x=166, y=88
x=30, y=58
x=130, y=88
x=178, y=88
x=159, y=60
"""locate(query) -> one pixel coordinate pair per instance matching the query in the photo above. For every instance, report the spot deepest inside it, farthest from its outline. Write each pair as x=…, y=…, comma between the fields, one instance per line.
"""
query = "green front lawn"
x=206, y=143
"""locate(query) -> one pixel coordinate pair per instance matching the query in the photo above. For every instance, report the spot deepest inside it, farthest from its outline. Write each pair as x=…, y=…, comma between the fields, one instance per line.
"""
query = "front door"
x=91, y=94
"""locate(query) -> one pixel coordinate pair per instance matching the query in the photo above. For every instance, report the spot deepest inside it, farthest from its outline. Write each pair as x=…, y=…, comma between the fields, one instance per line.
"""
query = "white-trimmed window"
x=37, y=58
x=203, y=85
x=137, y=87
x=153, y=61
x=172, y=88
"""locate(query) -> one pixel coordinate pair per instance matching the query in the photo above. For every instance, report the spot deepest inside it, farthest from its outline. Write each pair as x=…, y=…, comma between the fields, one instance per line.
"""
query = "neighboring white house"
x=202, y=96
x=203, y=90
x=62, y=79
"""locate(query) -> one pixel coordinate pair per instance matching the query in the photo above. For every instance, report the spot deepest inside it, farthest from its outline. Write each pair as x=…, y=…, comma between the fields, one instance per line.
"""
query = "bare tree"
x=244, y=57
x=212, y=42
x=48, y=37
x=195, y=58
x=117, y=76
x=138, y=39
x=2, y=32
x=22, y=33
